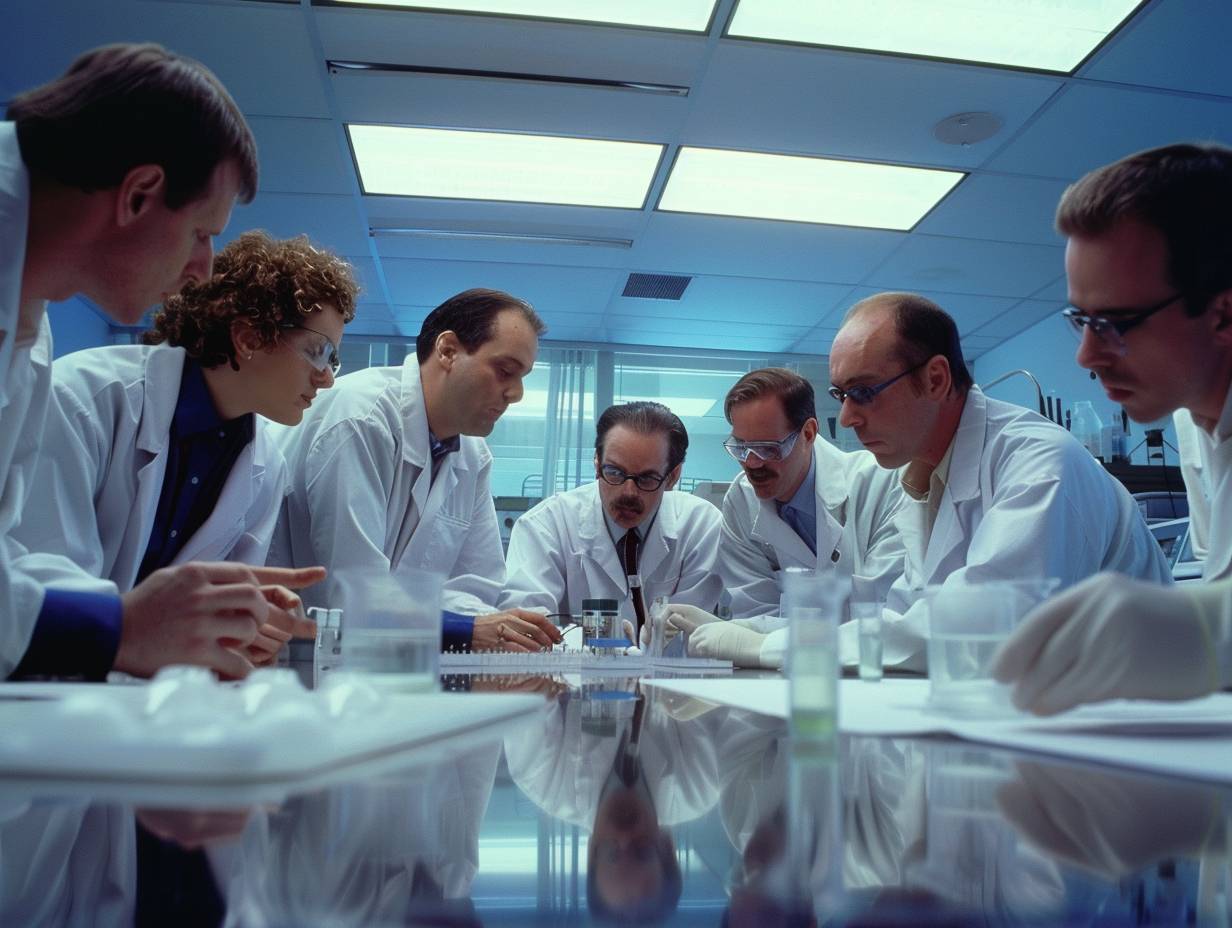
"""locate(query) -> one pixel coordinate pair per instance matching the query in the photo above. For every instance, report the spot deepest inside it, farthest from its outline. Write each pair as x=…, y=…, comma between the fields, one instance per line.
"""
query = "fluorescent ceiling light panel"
x=465, y=165
x=1048, y=35
x=842, y=193
x=687, y=15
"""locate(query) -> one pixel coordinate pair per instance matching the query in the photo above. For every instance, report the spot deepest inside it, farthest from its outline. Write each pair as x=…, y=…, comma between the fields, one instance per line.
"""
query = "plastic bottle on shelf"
x=1086, y=426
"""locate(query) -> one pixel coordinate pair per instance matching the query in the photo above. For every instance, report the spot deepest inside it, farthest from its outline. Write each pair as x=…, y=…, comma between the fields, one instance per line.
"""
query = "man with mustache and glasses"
x=587, y=542
x=799, y=502
x=1149, y=266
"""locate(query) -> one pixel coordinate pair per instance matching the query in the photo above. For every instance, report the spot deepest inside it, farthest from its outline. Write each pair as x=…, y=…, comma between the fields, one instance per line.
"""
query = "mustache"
x=632, y=503
x=759, y=472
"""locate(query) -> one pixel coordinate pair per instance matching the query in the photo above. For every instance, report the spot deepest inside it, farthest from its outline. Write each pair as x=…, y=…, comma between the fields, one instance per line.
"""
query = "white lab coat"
x=560, y=553
x=856, y=504
x=1206, y=466
x=362, y=494
x=25, y=385
x=104, y=457
x=1023, y=500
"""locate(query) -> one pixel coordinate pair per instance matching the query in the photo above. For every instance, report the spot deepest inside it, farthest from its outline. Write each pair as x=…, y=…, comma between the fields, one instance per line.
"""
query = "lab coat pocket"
x=443, y=544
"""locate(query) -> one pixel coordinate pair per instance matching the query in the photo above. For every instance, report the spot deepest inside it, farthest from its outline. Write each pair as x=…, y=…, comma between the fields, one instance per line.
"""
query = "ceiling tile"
x=954, y=265
x=999, y=208
x=329, y=221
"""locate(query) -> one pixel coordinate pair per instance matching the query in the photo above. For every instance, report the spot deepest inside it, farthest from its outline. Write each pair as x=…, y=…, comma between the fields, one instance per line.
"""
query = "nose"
x=753, y=461
x=1094, y=352
x=324, y=378
x=200, y=263
x=513, y=393
x=849, y=415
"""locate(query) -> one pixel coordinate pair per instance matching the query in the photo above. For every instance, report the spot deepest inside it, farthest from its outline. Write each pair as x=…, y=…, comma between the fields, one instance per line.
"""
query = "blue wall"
x=1047, y=350
x=74, y=326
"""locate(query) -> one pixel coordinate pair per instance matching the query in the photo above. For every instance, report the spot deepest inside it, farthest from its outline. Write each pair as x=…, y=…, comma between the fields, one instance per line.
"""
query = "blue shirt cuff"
x=456, y=631
x=77, y=635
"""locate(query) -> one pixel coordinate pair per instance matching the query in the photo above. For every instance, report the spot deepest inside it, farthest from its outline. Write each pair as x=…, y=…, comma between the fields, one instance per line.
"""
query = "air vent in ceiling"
x=656, y=286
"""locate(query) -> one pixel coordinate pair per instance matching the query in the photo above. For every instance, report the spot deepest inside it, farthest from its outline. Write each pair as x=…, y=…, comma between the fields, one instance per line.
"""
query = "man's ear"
x=447, y=349
x=674, y=477
x=141, y=190
x=597, y=465
x=1221, y=308
x=809, y=431
x=938, y=378
x=244, y=339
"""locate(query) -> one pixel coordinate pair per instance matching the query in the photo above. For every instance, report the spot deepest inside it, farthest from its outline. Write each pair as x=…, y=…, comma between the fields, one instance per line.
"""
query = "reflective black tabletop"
x=623, y=804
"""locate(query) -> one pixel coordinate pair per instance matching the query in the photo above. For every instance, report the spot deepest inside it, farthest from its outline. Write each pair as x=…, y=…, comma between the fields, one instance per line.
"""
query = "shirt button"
x=174, y=533
x=195, y=481
x=222, y=434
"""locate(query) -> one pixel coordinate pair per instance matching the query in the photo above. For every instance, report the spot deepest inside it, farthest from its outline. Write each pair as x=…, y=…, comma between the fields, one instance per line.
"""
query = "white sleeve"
x=478, y=574
x=535, y=569
x=747, y=572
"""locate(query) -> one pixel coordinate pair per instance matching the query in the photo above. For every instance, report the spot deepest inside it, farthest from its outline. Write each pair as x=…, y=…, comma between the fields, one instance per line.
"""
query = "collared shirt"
x=201, y=451
x=800, y=512
x=931, y=498
x=439, y=449
x=617, y=532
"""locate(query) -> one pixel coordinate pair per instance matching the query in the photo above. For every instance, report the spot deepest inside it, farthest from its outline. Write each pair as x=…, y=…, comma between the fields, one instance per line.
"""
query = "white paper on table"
x=1192, y=738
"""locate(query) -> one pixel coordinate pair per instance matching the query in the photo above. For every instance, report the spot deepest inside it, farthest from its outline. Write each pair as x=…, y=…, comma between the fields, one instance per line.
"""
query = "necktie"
x=793, y=517
x=629, y=546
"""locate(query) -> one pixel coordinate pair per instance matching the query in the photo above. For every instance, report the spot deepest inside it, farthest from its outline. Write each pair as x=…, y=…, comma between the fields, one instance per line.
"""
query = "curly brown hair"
x=267, y=282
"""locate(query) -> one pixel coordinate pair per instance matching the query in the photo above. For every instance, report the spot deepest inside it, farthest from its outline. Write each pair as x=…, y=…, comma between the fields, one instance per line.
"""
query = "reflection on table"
x=627, y=805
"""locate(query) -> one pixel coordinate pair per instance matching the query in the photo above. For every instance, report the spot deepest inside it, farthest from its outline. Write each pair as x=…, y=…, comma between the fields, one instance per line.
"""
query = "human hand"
x=728, y=642
x=513, y=630
x=1108, y=637
x=1110, y=823
x=684, y=618
x=199, y=613
x=286, y=620
x=548, y=685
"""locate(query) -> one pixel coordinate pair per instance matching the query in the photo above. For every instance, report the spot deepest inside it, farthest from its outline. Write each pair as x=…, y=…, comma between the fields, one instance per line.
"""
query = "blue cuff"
x=456, y=631
x=77, y=635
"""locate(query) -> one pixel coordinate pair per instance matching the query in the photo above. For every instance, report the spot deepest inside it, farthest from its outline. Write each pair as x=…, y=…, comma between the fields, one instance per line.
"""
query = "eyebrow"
x=625, y=470
x=858, y=378
x=510, y=359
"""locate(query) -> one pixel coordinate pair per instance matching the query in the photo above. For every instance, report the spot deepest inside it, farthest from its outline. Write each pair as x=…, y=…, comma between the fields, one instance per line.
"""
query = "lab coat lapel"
x=790, y=547
x=657, y=546
x=962, y=484
x=218, y=534
x=830, y=482
x=154, y=399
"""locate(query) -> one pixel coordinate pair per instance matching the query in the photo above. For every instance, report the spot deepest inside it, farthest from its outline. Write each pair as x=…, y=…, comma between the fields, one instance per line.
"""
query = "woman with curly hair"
x=157, y=454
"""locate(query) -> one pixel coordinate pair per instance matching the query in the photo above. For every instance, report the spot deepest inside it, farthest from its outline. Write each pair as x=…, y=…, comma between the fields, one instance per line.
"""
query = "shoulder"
x=693, y=508
x=475, y=450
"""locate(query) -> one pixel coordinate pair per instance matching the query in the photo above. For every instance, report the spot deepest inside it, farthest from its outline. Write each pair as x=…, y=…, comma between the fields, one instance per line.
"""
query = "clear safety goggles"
x=316, y=348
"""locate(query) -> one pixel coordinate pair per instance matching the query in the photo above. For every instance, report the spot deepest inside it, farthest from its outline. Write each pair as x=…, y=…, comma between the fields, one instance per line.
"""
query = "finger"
x=527, y=630
x=293, y=578
x=272, y=632
x=230, y=599
x=627, y=627
x=262, y=651
x=1021, y=652
x=512, y=643
x=539, y=620
x=291, y=624
x=678, y=622
x=1047, y=689
x=241, y=629
x=230, y=664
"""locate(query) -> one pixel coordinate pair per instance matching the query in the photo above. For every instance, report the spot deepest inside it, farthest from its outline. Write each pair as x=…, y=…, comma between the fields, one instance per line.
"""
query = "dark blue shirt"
x=201, y=451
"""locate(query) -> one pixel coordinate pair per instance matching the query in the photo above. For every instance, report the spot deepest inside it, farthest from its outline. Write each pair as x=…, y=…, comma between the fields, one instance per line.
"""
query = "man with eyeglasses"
x=798, y=502
x=994, y=491
x=1149, y=266
x=627, y=536
x=390, y=470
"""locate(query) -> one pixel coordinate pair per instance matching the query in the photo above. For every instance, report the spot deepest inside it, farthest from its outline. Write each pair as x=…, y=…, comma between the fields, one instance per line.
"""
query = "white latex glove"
x=627, y=627
x=727, y=641
x=1111, y=637
x=685, y=618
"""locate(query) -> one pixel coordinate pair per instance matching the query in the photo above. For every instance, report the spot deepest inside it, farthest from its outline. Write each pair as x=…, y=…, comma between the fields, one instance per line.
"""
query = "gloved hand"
x=1111, y=637
x=685, y=618
x=1111, y=823
x=727, y=641
x=626, y=626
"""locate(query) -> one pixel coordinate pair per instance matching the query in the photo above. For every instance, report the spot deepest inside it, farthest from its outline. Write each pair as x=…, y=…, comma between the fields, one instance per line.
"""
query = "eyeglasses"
x=1111, y=325
x=647, y=483
x=320, y=352
x=766, y=450
x=862, y=396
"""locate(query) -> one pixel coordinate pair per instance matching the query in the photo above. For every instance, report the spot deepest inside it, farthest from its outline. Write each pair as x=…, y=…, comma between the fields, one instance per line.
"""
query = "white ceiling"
x=987, y=252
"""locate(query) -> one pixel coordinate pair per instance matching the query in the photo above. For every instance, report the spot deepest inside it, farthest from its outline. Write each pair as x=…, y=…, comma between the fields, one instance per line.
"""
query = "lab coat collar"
x=1223, y=428
x=830, y=487
x=414, y=414
x=164, y=369
x=14, y=221
x=967, y=448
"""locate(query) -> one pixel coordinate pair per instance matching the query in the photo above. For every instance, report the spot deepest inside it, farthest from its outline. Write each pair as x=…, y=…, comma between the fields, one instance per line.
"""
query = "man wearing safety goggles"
x=798, y=502
x=1149, y=267
x=996, y=492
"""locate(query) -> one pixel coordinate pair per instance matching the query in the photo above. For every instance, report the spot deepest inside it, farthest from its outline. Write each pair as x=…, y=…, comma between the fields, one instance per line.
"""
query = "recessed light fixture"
x=474, y=165
x=1053, y=36
x=798, y=189
x=686, y=15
